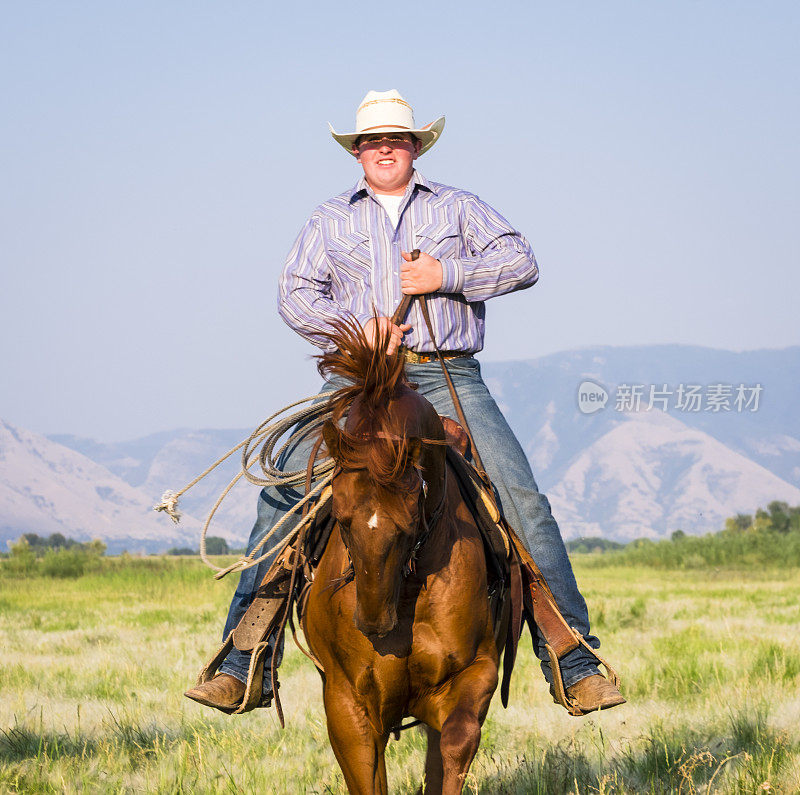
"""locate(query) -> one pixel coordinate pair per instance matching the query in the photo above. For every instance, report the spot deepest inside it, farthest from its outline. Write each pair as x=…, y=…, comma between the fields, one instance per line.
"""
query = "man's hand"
x=376, y=327
x=420, y=276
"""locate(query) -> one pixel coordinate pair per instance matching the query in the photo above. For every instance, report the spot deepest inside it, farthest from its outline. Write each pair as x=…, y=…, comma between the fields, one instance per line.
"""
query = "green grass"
x=94, y=668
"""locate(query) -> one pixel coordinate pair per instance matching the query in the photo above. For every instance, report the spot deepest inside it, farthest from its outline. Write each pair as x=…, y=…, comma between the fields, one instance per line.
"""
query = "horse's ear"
x=330, y=433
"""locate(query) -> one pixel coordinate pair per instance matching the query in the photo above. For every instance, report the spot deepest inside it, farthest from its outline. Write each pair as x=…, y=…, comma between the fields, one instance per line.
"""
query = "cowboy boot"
x=592, y=693
x=223, y=692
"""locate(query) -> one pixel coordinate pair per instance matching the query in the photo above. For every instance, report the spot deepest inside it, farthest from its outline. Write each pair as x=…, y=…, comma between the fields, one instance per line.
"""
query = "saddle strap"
x=542, y=606
x=514, y=629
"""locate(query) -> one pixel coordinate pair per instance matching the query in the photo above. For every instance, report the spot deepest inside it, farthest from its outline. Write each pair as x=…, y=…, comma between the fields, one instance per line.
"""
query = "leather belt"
x=412, y=357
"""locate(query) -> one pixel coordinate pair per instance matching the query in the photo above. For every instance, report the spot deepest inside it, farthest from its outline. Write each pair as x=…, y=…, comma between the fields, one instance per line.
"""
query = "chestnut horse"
x=398, y=613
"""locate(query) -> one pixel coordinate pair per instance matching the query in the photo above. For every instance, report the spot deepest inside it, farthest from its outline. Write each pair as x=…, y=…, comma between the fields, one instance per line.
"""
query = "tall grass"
x=94, y=669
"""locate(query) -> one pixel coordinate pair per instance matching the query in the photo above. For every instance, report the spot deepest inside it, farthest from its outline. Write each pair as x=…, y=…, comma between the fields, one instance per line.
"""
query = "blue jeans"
x=525, y=508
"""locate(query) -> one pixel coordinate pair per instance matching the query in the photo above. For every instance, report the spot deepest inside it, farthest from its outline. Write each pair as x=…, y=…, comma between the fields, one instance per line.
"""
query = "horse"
x=398, y=615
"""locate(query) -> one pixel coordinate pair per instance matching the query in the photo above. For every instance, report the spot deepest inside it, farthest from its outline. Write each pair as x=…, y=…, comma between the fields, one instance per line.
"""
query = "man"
x=351, y=259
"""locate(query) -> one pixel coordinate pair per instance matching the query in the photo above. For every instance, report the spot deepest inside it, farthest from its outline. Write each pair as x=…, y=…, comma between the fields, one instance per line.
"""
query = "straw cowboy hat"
x=388, y=112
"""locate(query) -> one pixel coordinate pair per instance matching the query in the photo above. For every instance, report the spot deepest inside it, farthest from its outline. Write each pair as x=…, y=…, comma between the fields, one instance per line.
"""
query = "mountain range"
x=722, y=436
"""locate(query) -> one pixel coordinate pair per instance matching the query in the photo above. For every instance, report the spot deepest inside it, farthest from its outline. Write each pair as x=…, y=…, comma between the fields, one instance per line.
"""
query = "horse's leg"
x=358, y=748
x=461, y=712
x=433, y=764
x=461, y=735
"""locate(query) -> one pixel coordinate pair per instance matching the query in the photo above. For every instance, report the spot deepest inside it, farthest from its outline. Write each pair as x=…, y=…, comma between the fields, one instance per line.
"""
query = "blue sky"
x=158, y=160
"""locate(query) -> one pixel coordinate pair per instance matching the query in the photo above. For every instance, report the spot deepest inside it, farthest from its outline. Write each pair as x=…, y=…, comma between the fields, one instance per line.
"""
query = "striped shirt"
x=347, y=260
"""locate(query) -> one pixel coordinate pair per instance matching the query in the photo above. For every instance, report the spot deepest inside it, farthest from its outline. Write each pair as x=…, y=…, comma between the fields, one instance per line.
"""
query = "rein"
x=397, y=318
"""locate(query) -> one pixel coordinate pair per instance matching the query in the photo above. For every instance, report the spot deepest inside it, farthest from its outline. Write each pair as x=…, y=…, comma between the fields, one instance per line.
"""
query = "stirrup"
x=252, y=634
x=253, y=694
x=560, y=695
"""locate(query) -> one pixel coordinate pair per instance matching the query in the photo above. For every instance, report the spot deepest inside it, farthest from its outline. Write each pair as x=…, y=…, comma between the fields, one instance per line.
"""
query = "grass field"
x=93, y=671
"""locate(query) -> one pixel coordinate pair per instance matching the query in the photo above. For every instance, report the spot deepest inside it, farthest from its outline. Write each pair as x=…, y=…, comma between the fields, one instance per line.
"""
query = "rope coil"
x=260, y=447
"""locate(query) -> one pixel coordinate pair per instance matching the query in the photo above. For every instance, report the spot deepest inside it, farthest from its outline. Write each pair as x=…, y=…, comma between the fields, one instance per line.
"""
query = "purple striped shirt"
x=347, y=259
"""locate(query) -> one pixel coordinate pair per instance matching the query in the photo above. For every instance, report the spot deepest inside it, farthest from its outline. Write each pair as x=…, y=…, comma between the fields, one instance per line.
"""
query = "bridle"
x=428, y=523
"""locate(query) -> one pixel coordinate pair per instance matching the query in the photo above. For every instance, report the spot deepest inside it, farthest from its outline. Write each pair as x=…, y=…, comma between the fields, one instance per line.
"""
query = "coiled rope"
x=260, y=447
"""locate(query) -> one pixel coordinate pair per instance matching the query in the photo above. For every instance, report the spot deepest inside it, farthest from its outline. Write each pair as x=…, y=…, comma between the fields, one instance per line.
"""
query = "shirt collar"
x=361, y=188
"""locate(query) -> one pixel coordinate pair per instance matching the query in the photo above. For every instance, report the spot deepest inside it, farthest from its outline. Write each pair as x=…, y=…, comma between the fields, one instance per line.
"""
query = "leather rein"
x=397, y=318
x=429, y=522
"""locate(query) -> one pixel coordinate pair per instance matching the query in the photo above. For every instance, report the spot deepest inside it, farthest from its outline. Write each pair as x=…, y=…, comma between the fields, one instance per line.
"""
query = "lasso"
x=260, y=447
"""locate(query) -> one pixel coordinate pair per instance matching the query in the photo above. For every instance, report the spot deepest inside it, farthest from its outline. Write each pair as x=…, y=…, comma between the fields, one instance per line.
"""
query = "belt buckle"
x=412, y=357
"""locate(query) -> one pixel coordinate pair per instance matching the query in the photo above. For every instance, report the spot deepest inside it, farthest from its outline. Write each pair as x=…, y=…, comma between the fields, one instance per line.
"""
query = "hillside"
x=616, y=472
x=47, y=488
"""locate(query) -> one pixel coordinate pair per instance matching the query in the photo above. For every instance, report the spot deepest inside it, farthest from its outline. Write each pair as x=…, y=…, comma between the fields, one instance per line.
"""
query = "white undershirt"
x=392, y=206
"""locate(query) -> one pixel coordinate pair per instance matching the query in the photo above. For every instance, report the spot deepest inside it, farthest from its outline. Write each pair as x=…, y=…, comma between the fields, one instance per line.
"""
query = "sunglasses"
x=389, y=140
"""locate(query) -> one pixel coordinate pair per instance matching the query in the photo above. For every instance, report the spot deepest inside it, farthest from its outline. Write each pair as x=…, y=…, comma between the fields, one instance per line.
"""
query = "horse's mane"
x=376, y=378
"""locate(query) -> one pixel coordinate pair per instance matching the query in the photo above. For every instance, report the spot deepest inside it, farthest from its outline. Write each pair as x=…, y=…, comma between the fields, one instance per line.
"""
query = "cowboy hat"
x=388, y=112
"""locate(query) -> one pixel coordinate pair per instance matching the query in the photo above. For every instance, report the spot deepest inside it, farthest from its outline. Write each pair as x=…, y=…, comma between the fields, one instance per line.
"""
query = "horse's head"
x=389, y=482
x=380, y=524
x=388, y=490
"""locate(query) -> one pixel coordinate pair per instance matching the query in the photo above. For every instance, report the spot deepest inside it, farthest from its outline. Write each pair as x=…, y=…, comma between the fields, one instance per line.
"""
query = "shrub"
x=216, y=546
x=21, y=561
x=67, y=558
x=66, y=563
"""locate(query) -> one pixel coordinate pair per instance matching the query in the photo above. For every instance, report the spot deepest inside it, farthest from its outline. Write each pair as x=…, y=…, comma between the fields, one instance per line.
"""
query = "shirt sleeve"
x=305, y=301
x=500, y=259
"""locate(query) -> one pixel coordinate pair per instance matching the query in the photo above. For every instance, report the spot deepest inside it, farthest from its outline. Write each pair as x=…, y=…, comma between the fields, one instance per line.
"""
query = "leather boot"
x=592, y=693
x=223, y=692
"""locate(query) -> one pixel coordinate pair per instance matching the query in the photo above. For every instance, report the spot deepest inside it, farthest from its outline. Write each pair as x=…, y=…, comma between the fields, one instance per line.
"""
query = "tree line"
x=771, y=536
x=59, y=556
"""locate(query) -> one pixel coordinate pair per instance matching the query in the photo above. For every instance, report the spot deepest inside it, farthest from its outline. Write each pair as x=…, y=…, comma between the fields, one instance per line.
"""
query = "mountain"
x=171, y=459
x=539, y=399
x=129, y=460
x=615, y=471
x=582, y=464
x=47, y=488
x=652, y=474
